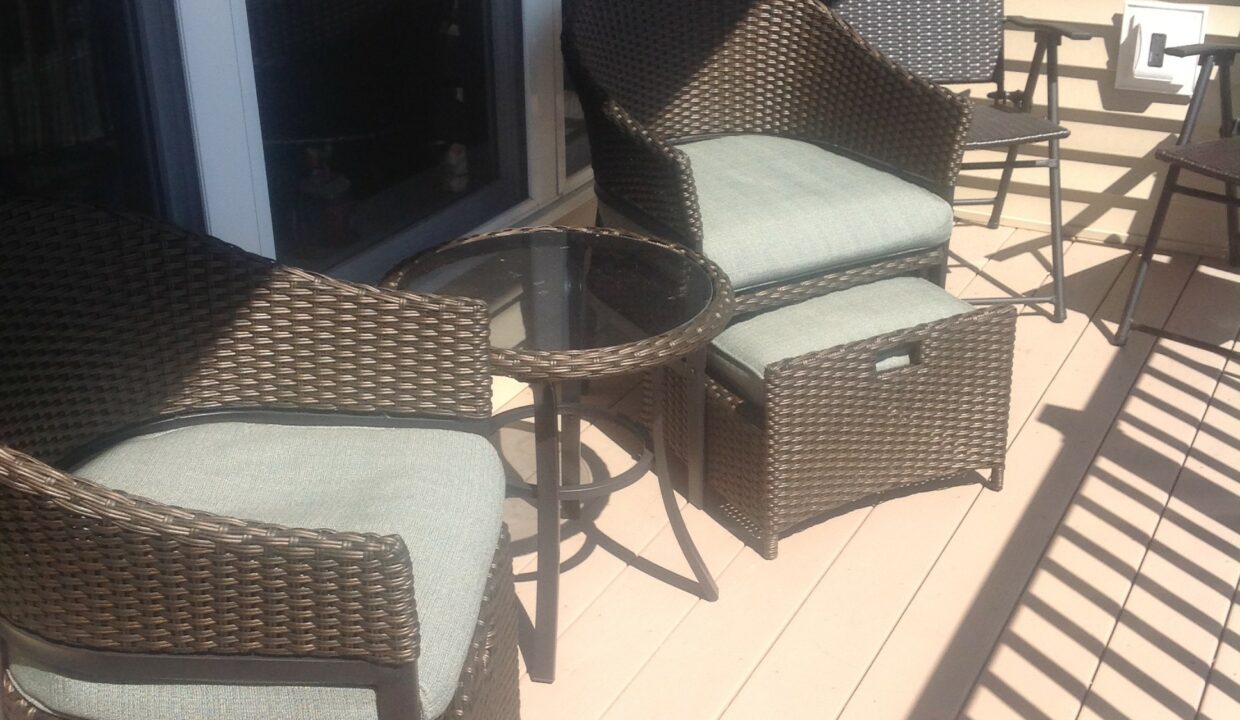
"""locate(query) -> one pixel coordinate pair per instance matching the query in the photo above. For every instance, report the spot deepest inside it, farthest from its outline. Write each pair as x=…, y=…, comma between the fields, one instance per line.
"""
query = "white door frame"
x=219, y=78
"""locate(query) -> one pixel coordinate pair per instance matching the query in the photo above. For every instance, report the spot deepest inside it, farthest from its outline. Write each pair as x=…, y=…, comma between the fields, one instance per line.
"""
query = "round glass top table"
x=578, y=303
x=574, y=304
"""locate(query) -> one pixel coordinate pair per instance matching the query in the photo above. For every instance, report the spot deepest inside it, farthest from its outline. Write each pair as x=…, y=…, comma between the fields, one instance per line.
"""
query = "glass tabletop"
x=566, y=289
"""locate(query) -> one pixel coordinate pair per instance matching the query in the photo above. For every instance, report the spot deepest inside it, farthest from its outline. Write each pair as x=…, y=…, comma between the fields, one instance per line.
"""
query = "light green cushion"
x=441, y=491
x=740, y=355
x=774, y=208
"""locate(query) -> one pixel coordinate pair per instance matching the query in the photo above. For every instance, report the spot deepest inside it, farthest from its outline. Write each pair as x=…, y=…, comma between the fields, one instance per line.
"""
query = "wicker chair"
x=123, y=343
x=961, y=41
x=1215, y=159
x=768, y=135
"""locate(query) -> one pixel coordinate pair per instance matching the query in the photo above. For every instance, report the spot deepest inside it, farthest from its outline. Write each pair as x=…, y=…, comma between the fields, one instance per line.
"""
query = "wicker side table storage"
x=822, y=430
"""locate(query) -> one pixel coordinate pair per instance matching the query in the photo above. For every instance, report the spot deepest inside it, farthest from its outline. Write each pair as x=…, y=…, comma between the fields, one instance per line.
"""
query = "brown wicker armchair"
x=120, y=336
x=661, y=80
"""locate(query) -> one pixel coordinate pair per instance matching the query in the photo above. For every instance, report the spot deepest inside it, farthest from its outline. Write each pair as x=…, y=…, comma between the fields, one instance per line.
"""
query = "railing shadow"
x=1159, y=472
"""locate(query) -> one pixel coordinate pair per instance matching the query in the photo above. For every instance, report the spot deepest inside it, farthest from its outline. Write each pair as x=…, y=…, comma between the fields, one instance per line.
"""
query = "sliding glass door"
x=386, y=118
x=93, y=106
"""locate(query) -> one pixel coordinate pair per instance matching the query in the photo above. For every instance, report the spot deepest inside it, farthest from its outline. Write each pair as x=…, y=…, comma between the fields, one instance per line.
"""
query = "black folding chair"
x=961, y=41
x=1217, y=159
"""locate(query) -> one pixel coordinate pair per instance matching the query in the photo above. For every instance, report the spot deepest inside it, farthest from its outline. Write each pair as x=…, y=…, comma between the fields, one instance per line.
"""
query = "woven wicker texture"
x=651, y=352
x=1000, y=127
x=833, y=432
x=947, y=41
x=488, y=688
x=765, y=298
x=1219, y=159
x=651, y=72
x=89, y=567
x=108, y=320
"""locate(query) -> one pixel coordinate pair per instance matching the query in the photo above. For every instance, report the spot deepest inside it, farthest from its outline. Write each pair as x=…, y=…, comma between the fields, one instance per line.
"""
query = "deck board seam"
x=793, y=616
x=1188, y=452
x=1218, y=650
x=972, y=503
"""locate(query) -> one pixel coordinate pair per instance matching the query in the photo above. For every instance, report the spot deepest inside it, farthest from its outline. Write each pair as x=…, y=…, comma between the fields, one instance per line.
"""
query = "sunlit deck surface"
x=1101, y=582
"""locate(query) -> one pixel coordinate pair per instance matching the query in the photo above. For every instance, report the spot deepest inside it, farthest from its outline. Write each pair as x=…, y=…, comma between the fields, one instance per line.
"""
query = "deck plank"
x=617, y=633
x=1159, y=657
x=757, y=599
x=864, y=598
x=972, y=248
x=1051, y=647
x=1220, y=699
x=947, y=632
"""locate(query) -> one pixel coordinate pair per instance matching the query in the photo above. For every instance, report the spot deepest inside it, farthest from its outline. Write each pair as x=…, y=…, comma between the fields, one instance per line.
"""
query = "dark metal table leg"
x=695, y=450
x=541, y=661
x=707, y=588
x=570, y=445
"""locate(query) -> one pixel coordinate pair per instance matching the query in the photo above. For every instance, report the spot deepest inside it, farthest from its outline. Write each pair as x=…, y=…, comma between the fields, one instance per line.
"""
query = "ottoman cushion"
x=740, y=355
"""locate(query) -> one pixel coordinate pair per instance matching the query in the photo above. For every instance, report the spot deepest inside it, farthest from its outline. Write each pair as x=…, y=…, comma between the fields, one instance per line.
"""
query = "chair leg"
x=937, y=274
x=1147, y=253
x=1233, y=226
x=1061, y=308
x=1005, y=181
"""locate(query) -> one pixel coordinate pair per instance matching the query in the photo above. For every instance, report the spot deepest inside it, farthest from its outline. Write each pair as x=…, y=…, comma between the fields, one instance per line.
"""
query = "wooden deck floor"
x=1100, y=583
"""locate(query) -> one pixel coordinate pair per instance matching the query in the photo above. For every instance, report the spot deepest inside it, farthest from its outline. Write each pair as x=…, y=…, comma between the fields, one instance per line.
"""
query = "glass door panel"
x=93, y=106
x=576, y=144
x=381, y=115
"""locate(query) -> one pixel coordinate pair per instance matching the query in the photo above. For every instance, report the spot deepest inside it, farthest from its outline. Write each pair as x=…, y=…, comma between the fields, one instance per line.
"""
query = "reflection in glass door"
x=576, y=144
x=379, y=116
x=93, y=106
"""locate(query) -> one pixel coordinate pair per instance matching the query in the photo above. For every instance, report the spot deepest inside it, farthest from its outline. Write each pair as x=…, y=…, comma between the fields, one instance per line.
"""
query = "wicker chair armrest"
x=110, y=320
x=846, y=95
x=301, y=340
x=1048, y=28
x=639, y=170
x=94, y=568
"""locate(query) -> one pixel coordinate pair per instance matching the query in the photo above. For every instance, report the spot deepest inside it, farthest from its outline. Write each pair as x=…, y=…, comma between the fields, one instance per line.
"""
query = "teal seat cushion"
x=740, y=355
x=774, y=209
x=442, y=491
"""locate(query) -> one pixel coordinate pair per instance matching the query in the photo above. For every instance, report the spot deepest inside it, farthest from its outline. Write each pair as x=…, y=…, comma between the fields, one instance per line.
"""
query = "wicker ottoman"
x=850, y=399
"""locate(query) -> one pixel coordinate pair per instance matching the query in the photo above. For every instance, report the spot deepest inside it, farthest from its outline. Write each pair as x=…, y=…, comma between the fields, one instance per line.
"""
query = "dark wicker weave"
x=788, y=293
x=832, y=434
x=652, y=73
x=961, y=41
x=945, y=41
x=107, y=321
x=1218, y=159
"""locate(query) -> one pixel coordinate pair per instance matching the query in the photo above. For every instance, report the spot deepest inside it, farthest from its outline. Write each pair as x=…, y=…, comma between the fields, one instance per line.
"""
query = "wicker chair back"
x=947, y=41
x=108, y=320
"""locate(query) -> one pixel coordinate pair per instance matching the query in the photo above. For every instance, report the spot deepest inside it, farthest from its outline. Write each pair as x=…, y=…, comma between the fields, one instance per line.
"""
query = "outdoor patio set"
x=179, y=418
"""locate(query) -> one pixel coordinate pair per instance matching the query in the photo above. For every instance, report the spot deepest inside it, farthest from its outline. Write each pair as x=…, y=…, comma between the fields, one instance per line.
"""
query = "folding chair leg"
x=1061, y=309
x=1147, y=253
x=996, y=211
